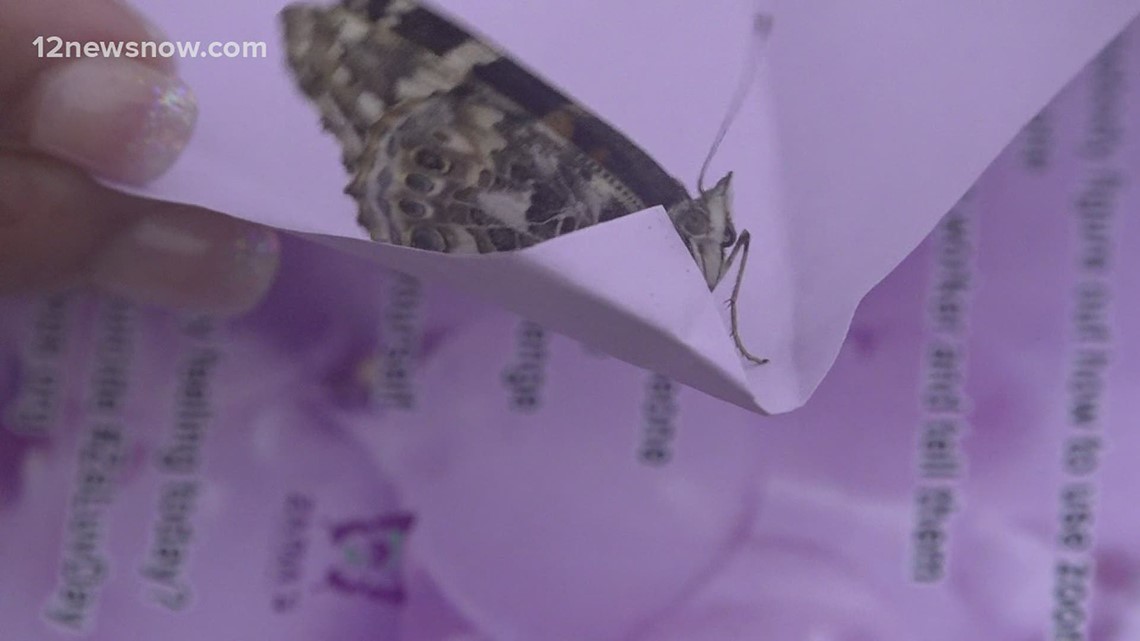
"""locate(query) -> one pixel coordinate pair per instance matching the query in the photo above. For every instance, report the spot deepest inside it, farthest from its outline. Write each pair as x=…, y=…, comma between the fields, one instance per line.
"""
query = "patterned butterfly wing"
x=454, y=147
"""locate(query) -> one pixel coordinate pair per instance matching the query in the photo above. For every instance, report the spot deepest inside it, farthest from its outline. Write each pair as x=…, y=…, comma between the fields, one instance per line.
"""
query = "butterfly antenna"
x=761, y=28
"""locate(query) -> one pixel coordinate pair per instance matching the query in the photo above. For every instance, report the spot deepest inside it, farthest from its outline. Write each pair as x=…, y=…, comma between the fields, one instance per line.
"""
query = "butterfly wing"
x=356, y=67
x=454, y=147
x=466, y=171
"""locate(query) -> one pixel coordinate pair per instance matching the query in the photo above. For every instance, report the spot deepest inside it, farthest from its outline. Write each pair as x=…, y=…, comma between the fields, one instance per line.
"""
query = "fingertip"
x=122, y=120
x=192, y=259
x=59, y=228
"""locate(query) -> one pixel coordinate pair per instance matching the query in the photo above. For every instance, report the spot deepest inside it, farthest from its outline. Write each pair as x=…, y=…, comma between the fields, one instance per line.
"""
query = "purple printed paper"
x=371, y=456
x=145, y=493
x=845, y=101
x=963, y=473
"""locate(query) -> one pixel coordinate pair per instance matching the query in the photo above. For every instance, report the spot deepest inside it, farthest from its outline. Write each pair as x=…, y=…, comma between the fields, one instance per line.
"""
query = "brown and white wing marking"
x=356, y=65
x=467, y=171
x=425, y=164
x=384, y=72
x=454, y=147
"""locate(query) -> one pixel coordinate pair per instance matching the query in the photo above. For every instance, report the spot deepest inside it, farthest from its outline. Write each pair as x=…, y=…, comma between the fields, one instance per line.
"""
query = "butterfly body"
x=453, y=147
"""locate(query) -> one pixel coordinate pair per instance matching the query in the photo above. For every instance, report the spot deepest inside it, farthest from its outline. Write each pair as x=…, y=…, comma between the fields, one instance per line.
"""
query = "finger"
x=60, y=228
x=119, y=119
x=126, y=120
x=71, y=20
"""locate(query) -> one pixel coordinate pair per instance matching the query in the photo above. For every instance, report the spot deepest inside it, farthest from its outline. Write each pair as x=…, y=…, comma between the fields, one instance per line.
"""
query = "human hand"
x=63, y=121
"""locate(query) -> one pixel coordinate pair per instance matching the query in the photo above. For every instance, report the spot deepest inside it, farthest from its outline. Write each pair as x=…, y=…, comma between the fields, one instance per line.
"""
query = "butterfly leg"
x=741, y=247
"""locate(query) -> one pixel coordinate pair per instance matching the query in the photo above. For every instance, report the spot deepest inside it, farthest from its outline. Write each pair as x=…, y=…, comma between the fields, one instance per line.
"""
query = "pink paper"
x=850, y=148
x=380, y=459
x=154, y=503
x=374, y=458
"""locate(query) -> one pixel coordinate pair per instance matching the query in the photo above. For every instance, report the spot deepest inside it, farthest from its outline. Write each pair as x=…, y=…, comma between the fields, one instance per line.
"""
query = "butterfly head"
x=705, y=224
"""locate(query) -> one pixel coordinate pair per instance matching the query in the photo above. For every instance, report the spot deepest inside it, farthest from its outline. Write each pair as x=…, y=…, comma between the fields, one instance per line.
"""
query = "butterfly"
x=454, y=147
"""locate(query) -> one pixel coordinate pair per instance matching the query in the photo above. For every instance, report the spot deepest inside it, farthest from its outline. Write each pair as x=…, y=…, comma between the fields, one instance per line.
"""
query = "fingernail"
x=191, y=259
x=122, y=120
